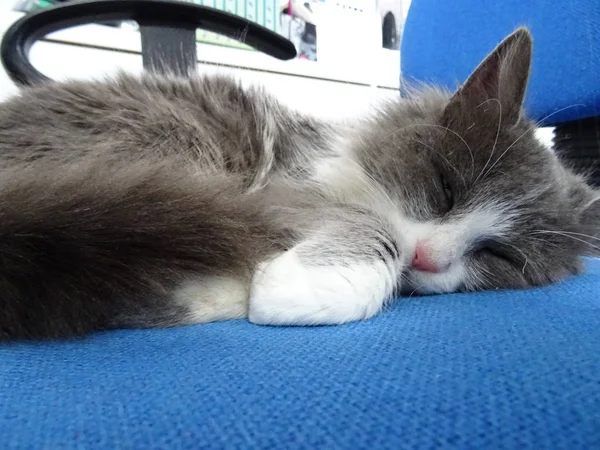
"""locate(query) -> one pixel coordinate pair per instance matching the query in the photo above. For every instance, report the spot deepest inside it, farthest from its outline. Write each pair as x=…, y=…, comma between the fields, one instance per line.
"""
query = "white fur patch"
x=287, y=292
x=213, y=298
x=435, y=283
x=446, y=243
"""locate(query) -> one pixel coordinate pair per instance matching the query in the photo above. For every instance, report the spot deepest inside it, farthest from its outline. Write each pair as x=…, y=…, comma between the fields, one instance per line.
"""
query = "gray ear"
x=503, y=75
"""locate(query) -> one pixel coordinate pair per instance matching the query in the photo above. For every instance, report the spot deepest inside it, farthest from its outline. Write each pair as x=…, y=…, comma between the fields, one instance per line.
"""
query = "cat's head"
x=481, y=203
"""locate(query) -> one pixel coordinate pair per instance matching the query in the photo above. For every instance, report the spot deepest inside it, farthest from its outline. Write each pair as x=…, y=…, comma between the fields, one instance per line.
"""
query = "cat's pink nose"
x=421, y=261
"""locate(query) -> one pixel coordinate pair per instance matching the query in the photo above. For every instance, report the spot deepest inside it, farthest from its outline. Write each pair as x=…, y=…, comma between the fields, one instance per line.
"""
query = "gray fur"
x=114, y=193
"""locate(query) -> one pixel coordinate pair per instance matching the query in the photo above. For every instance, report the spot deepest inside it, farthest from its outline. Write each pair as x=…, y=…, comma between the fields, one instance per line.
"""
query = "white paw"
x=209, y=299
x=287, y=292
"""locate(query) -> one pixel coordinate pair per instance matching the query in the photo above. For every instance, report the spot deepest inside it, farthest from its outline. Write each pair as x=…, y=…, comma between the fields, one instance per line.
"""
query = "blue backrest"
x=444, y=40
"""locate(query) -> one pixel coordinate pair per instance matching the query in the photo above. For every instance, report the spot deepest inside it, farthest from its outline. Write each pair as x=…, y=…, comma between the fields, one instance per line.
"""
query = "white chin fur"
x=417, y=282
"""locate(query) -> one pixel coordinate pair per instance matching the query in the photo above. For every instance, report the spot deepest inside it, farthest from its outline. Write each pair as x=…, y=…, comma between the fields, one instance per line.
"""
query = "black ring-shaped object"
x=21, y=36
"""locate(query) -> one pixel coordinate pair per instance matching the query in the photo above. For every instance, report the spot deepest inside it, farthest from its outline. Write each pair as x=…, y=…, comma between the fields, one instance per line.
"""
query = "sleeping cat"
x=160, y=201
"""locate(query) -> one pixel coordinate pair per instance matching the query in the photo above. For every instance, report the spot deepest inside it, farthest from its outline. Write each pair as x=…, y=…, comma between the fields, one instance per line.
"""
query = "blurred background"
x=348, y=50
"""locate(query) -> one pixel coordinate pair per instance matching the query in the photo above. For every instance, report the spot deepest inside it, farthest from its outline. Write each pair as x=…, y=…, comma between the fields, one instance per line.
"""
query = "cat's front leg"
x=345, y=269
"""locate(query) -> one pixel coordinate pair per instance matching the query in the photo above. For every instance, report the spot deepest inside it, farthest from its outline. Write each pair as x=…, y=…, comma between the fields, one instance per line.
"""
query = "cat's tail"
x=96, y=245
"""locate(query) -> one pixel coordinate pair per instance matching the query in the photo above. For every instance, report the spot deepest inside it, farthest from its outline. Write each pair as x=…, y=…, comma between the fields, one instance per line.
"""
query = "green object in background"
x=251, y=10
x=33, y=5
x=45, y=3
x=230, y=6
x=262, y=12
x=271, y=16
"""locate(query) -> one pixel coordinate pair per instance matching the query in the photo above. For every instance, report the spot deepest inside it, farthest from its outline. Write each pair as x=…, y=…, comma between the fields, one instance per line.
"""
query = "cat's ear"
x=502, y=76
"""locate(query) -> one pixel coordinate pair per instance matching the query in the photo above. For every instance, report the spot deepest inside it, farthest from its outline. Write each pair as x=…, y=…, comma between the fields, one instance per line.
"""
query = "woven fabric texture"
x=502, y=370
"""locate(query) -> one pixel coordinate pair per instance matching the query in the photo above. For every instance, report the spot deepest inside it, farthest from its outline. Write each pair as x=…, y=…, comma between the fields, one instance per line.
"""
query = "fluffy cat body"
x=160, y=201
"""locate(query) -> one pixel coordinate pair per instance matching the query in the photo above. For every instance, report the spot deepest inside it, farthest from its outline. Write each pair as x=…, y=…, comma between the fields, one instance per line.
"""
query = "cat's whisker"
x=478, y=280
x=445, y=159
x=443, y=128
x=543, y=242
x=482, y=278
x=506, y=151
x=528, y=130
x=576, y=234
x=514, y=247
x=495, y=140
x=416, y=289
x=539, y=122
x=567, y=232
x=568, y=235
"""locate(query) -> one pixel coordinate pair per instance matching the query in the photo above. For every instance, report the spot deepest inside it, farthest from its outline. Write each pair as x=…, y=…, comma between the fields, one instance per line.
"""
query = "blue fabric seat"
x=445, y=40
x=501, y=370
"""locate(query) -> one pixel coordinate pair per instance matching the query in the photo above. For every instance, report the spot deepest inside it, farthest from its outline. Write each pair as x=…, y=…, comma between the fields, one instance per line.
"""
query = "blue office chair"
x=445, y=40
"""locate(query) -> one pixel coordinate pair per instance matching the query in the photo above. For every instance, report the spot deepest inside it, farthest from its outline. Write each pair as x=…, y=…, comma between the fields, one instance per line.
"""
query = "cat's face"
x=479, y=202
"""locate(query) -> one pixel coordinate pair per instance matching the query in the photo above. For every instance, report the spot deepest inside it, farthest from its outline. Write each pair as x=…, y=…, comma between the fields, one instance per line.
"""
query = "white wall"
x=323, y=97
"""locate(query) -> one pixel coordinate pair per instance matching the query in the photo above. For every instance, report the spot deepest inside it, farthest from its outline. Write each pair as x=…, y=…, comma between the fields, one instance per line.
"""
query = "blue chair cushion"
x=512, y=370
x=444, y=41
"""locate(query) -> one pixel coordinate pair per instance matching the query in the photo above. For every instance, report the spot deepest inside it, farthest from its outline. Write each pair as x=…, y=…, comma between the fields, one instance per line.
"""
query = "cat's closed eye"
x=495, y=249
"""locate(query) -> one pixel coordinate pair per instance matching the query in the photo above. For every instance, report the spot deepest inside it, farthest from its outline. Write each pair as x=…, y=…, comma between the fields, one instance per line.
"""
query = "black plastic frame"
x=149, y=14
